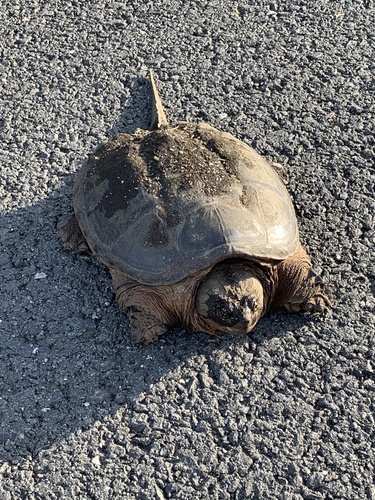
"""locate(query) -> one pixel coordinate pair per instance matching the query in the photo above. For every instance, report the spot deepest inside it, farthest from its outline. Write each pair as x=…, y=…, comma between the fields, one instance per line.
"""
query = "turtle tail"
x=158, y=118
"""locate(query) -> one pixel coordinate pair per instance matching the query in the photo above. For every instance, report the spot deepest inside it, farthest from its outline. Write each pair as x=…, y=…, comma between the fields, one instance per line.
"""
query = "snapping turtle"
x=196, y=228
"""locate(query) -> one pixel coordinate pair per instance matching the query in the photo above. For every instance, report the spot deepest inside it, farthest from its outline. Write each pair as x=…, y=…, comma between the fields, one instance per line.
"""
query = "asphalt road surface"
x=285, y=413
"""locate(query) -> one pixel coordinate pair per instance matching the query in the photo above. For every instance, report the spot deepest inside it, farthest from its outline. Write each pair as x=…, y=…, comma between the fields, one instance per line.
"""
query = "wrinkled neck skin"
x=175, y=304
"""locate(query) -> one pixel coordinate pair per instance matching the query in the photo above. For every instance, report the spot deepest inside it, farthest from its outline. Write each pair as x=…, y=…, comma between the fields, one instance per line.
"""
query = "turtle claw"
x=280, y=170
x=145, y=328
x=319, y=304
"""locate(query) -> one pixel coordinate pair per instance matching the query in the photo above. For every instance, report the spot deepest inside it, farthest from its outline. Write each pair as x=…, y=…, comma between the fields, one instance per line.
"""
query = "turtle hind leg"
x=280, y=170
x=71, y=236
x=300, y=288
x=145, y=328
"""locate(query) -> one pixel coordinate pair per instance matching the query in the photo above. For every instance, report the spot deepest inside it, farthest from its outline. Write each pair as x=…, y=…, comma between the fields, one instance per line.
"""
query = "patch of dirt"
x=179, y=159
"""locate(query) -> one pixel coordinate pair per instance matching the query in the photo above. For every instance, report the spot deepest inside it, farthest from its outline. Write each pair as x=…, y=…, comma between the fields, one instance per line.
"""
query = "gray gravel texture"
x=285, y=413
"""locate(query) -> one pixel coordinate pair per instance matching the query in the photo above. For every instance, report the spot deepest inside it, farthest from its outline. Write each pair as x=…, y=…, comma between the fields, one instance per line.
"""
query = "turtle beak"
x=246, y=320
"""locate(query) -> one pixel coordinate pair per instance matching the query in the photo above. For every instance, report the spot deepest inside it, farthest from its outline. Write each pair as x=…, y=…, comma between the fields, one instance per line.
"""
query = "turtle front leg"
x=71, y=236
x=141, y=305
x=314, y=296
x=300, y=288
x=145, y=328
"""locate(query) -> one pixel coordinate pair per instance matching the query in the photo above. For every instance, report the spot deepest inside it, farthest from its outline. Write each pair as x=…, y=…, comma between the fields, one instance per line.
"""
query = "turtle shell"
x=164, y=204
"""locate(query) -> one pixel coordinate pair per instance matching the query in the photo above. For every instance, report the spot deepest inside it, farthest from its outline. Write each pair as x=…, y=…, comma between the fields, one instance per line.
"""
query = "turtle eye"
x=250, y=302
x=222, y=311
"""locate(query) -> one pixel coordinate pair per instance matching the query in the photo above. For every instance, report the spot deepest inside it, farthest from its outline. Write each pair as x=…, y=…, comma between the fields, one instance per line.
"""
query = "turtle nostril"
x=244, y=321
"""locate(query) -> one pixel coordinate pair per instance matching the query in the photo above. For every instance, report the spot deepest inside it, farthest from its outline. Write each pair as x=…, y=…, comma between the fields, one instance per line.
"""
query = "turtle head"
x=230, y=299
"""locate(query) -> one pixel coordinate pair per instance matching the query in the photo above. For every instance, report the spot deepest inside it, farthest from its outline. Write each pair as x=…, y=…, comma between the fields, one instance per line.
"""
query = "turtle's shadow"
x=135, y=105
x=66, y=349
